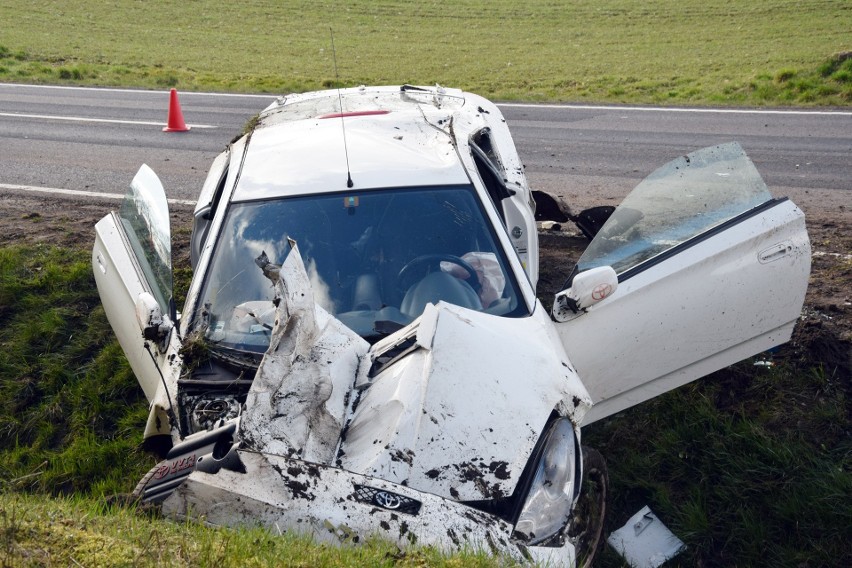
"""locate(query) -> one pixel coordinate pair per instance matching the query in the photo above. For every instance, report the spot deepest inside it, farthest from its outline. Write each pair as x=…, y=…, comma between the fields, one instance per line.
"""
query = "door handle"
x=101, y=263
x=775, y=252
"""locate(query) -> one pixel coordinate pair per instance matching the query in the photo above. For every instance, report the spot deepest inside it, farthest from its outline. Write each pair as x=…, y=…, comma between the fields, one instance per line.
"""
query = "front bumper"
x=335, y=505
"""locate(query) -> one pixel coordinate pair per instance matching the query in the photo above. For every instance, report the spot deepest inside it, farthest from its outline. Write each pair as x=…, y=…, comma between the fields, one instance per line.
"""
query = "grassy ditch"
x=81, y=531
x=750, y=466
x=71, y=410
x=771, y=52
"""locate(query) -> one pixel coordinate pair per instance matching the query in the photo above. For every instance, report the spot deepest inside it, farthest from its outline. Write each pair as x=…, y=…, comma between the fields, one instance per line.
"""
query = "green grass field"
x=82, y=531
x=743, y=52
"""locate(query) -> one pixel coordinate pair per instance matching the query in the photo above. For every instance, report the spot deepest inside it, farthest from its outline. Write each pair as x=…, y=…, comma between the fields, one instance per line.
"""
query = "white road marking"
x=87, y=119
x=78, y=193
x=679, y=109
x=504, y=105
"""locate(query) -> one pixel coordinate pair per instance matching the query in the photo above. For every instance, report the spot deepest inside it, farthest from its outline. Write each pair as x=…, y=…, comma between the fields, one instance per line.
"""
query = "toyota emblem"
x=601, y=291
x=387, y=500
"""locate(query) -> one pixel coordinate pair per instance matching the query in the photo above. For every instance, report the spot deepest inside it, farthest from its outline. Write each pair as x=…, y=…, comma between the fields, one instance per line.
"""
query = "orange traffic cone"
x=176, y=123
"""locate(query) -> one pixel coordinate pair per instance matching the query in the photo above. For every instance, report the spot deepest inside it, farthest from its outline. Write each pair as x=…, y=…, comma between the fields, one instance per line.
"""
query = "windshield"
x=679, y=201
x=374, y=259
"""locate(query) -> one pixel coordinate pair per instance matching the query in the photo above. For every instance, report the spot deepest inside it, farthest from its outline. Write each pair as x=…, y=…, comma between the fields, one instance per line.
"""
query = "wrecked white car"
x=362, y=351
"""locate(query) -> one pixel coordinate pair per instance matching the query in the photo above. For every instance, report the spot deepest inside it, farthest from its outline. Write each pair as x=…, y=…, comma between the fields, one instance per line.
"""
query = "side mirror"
x=154, y=324
x=587, y=289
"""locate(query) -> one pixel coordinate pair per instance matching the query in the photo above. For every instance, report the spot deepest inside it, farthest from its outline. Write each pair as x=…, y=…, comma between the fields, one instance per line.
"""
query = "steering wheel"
x=435, y=259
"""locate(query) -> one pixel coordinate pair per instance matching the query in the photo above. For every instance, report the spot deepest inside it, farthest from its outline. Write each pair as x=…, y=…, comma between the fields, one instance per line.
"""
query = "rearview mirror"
x=587, y=289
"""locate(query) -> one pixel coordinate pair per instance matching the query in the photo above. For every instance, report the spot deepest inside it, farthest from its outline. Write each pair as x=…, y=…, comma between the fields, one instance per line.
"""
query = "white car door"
x=710, y=270
x=132, y=256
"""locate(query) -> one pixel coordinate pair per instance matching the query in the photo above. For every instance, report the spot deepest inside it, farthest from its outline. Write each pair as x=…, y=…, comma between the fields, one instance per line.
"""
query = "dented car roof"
x=392, y=139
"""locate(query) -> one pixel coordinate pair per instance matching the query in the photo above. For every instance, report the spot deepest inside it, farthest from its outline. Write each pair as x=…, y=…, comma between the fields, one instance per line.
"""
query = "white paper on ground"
x=644, y=541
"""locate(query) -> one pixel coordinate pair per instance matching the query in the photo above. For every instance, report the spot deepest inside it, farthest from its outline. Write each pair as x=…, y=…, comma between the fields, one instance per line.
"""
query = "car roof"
x=394, y=137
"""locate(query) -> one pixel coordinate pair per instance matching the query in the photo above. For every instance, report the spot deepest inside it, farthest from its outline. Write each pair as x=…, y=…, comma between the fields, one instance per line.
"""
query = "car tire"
x=139, y=492
x=590, y=510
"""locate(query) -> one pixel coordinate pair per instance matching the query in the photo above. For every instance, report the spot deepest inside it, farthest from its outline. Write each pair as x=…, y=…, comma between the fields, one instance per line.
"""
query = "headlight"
x=554, y=486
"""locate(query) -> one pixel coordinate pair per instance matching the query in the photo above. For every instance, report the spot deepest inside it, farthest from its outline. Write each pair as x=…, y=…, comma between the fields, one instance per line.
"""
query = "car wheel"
x=139, y=492
x=590, y=510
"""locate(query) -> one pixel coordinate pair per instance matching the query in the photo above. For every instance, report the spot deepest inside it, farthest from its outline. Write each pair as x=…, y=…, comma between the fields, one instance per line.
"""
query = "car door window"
x=144, y=215
x=685, y=198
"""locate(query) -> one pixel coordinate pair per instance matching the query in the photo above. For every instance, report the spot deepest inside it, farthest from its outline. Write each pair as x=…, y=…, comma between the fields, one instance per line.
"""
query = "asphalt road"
x=95, y=140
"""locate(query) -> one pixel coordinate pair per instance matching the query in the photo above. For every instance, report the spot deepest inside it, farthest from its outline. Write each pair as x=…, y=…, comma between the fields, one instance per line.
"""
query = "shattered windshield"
x=374, y=260
x=677, y=202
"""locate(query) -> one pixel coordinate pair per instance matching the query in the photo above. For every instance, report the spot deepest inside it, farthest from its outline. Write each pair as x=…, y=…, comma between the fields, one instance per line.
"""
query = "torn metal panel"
x=296, y=403
x=421, y=421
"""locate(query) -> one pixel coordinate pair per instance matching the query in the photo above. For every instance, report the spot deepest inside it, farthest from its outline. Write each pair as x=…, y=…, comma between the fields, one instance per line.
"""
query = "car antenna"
x=340, y=100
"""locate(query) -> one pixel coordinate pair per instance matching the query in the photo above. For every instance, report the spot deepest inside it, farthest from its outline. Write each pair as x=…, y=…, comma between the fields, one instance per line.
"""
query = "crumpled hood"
x=461, y=412
x=297, y=401
x=452, y=405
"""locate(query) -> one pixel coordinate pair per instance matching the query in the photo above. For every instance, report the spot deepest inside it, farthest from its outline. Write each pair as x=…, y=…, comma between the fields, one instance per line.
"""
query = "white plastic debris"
x=644, y=541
